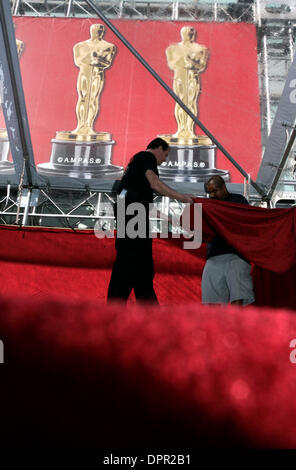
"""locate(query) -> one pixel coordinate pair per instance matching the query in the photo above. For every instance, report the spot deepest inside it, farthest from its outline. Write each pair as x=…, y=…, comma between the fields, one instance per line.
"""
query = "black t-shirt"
x=138, y=189
x=135, y=181
x=218, y=245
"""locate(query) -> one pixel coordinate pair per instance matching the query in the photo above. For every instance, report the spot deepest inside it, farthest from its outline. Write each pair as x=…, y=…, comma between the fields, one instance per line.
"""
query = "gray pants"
x=227, y=278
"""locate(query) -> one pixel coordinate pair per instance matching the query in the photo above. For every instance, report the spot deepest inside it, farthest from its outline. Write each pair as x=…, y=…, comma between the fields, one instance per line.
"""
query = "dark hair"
x=217, y=180
x=158, y=142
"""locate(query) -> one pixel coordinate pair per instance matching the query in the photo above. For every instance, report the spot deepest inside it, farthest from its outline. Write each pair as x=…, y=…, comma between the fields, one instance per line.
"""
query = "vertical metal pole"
x=265, y=71
x=266, y=84
x=282, y=162
x=121, y=5
x=291, y=45
x=175, y=12
x=165, y=209
x=69, y=8
x=165, y=204
x=26, y=211
x=254, y=10
x=215, y=11
x=97, y=213
x=247, y=187
x=15, y=7
x=257, y=12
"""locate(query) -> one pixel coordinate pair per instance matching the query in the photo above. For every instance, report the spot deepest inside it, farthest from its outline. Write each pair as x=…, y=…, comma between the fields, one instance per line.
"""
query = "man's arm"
x=158, y=186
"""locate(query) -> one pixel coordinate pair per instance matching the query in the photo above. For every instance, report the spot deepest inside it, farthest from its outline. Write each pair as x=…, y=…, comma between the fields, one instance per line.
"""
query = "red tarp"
x=266, y=237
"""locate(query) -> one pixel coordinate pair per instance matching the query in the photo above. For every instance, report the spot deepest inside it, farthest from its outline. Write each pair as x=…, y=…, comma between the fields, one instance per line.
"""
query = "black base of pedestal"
x=192, y=164
x=81, y=160
x=6, y=167
x=104, y=172
x=195, y=176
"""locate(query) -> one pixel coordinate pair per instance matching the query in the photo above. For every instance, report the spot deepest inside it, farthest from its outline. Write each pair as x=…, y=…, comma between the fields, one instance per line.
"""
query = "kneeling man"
x=227, y=275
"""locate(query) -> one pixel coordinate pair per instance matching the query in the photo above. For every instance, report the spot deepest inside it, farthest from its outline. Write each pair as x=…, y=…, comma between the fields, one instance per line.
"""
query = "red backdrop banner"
x=134, y=108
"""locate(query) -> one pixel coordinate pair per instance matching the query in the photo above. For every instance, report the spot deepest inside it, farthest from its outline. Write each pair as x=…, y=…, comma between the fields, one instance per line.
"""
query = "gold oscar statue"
x=188, y=60
x=92, y=57
x=6, y=165
x=192, y=157
x=85, y=152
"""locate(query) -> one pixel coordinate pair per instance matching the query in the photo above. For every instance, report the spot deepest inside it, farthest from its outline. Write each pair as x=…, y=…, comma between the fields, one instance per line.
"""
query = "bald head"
x=216, y=188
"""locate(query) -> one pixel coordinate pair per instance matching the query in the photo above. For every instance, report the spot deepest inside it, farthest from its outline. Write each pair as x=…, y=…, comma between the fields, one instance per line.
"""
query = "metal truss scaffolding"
x=77, y=210
x=196, y=10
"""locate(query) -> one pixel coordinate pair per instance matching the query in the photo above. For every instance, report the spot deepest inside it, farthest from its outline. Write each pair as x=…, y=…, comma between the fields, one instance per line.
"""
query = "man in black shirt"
x=133, y=267
x=227, y=276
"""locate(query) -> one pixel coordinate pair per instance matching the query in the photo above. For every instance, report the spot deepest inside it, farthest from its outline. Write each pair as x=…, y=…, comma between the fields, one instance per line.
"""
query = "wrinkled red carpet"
x=79, y=373
x=83, y=374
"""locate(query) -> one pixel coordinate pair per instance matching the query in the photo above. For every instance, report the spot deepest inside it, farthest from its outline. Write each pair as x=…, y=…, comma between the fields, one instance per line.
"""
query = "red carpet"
x=83, y=374
x=77, y=265
x=42, y=262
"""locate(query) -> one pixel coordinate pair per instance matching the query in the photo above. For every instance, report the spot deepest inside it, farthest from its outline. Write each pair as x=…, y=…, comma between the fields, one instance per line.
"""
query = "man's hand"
x=187, y=199
x=160, y=187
